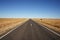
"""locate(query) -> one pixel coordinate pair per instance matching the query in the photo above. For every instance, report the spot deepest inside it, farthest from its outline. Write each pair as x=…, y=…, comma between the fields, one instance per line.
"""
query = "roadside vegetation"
x=7, y=24
x=50, y=23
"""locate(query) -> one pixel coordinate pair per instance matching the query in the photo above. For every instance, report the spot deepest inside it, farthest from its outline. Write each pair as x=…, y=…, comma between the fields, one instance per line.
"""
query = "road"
x=30, y=30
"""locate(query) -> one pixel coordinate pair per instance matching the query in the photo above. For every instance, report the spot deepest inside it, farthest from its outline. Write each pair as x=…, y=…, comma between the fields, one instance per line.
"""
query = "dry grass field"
x=50, y=23
x=9, y=23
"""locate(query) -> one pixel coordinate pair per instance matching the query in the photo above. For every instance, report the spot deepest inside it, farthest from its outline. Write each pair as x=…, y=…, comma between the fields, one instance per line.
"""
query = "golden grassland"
x=9, y=23
x=50, y=23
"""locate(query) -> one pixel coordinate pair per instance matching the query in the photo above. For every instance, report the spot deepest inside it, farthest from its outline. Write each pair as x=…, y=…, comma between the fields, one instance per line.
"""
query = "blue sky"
x=29, y=8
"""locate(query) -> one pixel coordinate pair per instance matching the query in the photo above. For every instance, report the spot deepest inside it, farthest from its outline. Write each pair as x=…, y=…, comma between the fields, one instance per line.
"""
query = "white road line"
x=10, y=31
x=51, y=30
x=31, y=24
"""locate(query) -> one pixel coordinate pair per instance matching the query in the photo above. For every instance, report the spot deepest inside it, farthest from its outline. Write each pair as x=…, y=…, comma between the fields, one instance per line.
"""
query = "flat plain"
x=7, y=24
x=53, y=24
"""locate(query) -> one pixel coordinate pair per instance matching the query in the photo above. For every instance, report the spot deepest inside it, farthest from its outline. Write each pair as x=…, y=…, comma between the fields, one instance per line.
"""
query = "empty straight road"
x=30, y=30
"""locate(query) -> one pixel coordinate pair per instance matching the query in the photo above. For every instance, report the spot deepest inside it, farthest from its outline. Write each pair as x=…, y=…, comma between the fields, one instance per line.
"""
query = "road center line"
x=31, y=24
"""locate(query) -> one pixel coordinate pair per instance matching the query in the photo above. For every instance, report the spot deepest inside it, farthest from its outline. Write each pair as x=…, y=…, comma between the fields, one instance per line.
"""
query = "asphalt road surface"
x=30, y=30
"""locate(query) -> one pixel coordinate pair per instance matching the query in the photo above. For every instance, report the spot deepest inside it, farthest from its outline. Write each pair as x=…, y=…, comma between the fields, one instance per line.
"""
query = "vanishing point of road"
x=30, y=30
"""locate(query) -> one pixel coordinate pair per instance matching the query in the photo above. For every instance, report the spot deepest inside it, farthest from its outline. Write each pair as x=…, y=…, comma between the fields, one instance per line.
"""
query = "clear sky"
x=30, y=8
